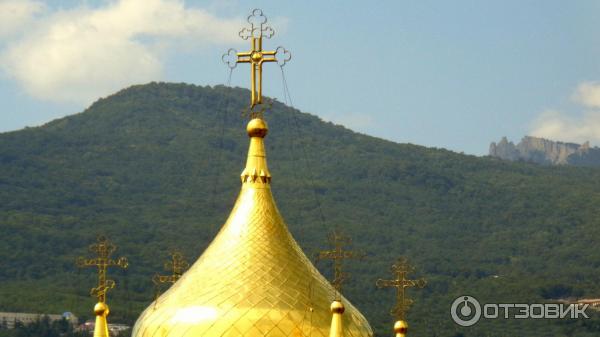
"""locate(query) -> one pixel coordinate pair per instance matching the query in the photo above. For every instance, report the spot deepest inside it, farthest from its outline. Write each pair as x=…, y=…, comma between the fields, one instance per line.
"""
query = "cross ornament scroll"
x=177, y=266
x=103, y=250
x=401, y=269
x=338, y=254
x=256, y=56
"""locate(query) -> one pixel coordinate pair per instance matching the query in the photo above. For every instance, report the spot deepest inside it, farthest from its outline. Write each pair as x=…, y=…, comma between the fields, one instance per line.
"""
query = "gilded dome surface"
x=252, y=280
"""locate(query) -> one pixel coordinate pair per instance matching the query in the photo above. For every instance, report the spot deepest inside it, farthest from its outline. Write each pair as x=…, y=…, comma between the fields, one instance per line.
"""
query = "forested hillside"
x=156, y=167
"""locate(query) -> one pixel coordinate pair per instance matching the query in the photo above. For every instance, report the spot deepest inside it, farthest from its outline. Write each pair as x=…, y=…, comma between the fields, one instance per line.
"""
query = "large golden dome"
x=253, y=279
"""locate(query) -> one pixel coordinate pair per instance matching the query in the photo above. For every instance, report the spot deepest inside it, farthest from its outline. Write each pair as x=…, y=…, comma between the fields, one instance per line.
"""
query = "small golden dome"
x=101, y=309
x=257, y=127
x=400, y=327
x=337, y=307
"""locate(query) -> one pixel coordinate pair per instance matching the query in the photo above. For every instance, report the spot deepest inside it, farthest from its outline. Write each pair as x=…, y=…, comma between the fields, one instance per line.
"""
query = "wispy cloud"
x=82, y=53
x=561, y=126
x=15, y=15
x=588, y=94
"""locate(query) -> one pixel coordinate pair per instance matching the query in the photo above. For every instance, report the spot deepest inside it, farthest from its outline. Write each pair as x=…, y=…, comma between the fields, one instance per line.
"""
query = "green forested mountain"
x=156, y=167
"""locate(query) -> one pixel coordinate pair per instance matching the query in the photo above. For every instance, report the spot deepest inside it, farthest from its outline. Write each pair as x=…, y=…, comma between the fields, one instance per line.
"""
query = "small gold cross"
x=177, y=265
x=103, y=249
x=338, y=254
x=401, y=269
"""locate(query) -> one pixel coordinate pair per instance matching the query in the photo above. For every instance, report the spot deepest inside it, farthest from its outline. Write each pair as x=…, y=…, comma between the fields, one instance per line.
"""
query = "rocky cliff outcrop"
x=546, y=152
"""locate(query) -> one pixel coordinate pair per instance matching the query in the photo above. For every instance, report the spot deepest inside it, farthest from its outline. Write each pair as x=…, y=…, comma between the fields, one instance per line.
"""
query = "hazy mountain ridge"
x=546, y=152
x=157, y=166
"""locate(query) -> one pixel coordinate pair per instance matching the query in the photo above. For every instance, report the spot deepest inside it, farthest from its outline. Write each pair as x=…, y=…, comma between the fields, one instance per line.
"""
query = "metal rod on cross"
x=401, y=269
x=338, y=254
x=103, y=250
x=256, y=56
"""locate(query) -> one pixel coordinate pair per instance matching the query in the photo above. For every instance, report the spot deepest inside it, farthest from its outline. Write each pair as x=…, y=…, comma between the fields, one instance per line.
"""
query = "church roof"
x=253, y=279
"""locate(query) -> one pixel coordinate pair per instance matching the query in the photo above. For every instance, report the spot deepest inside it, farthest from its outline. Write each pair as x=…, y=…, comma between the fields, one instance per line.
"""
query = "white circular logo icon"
x=466, y=311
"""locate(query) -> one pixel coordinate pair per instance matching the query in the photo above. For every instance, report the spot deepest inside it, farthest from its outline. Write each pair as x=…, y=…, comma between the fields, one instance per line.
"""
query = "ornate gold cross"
x=401, y=268
x=338, y=254
x=103, y=249
x=256, y=56
x=177, y=266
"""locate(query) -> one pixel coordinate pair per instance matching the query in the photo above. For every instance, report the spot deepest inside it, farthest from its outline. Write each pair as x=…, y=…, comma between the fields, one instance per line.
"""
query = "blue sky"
x=451, y=74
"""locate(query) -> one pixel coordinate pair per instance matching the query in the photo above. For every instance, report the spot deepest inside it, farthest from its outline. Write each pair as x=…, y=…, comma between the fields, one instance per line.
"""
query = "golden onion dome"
x=253, y=279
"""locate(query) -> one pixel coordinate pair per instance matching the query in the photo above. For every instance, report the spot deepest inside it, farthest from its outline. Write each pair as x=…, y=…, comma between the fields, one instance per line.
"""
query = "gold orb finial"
x=101, y=309
x=337, y=307
x=257, y=127
x=401, y=327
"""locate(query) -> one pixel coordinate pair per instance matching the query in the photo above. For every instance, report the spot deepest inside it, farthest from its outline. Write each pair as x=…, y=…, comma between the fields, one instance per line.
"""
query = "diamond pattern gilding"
x=253, y=280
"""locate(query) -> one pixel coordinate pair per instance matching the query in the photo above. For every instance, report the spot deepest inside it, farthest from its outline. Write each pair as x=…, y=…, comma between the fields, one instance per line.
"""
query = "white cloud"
x=560, y=126
x=15, y=15
x=79, y=54
x=588, y=94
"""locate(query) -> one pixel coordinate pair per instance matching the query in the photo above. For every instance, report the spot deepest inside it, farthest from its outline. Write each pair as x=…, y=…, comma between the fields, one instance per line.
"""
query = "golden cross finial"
x=103, y=249
x=338, y=254
x=177, y=266
x=401, y=269
x=256, y=56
